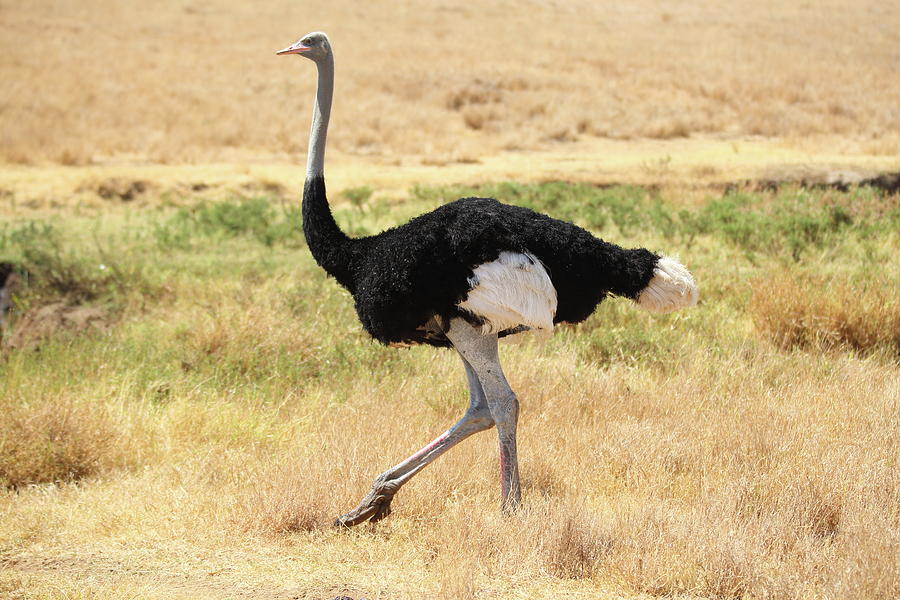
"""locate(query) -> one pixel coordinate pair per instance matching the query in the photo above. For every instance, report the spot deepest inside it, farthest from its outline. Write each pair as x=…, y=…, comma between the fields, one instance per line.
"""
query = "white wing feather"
x=513, y=290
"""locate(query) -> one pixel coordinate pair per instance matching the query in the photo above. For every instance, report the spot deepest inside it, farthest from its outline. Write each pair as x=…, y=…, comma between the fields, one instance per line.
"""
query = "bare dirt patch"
x=117, y=188
x=838, y=178
x=92, y=569
x=39, y=324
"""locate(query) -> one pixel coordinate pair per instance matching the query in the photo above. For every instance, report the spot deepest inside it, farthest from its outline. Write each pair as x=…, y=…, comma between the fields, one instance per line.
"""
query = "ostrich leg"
x=480, y=351
x=377, y=503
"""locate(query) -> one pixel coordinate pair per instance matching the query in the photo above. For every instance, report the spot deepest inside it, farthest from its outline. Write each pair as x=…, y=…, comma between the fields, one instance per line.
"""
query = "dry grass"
x=806, y=310
x=202, y=445
x=177, y=81
x=783, y=509
x=57, y=440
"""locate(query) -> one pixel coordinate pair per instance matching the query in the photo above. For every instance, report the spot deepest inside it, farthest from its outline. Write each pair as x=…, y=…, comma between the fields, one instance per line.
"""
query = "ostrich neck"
x=318, y=131
x=331, y=248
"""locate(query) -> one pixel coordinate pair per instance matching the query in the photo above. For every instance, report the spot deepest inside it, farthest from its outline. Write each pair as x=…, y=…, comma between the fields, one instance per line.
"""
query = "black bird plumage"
x=402, y=277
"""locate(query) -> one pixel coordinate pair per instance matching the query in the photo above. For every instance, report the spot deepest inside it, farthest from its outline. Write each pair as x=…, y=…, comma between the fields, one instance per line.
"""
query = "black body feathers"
x=404, y=276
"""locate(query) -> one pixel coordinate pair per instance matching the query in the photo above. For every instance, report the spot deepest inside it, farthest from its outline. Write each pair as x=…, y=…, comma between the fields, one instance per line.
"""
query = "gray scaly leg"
x=377, y=503
x=480, y=351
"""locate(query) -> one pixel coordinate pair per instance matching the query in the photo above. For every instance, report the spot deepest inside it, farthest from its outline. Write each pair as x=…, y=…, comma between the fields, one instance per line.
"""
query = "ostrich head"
x=313, y=46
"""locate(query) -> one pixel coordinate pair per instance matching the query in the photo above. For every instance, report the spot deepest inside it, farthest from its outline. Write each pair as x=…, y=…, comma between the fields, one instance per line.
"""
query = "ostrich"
x=462, y=276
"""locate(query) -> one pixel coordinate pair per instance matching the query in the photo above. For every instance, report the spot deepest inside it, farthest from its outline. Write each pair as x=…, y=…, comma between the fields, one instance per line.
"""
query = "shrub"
x=811, y=310
x=789, y=222
x=58, y=269
x=253, y=217
x=58, y=441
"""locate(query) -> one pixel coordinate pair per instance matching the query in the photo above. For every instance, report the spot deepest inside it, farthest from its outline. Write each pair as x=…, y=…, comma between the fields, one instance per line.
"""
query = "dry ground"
x=186, y=80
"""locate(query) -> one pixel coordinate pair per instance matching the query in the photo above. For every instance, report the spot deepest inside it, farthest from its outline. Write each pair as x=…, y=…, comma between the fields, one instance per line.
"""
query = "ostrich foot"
x=374, y=507
x=511, y=505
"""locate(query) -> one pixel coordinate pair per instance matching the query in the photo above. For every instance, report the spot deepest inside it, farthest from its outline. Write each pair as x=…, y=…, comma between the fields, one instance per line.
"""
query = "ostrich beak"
x=294, y=49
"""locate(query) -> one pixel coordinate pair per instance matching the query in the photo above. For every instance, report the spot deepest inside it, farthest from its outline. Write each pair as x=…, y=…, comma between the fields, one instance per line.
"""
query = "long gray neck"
x=330, y=246
x=318, y=131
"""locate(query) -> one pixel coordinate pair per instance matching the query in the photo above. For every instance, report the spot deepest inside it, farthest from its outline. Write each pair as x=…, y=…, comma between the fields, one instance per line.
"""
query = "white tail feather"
x=672, y=287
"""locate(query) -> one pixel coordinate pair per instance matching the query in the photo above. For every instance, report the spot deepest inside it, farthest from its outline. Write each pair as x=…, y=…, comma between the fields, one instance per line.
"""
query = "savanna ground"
x=187, y=402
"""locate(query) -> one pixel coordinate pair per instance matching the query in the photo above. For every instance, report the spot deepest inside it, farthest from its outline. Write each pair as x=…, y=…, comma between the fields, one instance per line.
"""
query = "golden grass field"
x=202, y=402
x=180, y=81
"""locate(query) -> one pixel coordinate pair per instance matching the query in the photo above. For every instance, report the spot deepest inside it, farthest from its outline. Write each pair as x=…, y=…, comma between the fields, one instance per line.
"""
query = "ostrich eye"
x=307, y=42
